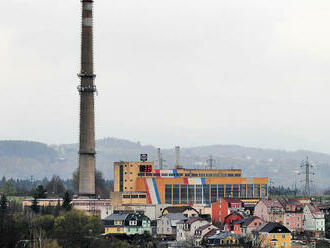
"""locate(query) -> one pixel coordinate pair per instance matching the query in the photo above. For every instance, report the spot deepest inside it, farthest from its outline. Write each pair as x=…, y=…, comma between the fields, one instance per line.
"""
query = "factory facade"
x=140, y=182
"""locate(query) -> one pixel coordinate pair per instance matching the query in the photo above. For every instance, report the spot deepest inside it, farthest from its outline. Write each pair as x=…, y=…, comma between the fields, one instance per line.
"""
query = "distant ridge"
x=21, y=159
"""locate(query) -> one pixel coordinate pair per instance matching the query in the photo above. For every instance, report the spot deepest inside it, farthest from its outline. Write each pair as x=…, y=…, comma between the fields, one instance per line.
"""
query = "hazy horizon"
x=189, y=73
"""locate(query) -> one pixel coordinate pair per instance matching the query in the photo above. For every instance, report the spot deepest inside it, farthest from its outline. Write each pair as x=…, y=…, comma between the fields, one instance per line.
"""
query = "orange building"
x=185, y=186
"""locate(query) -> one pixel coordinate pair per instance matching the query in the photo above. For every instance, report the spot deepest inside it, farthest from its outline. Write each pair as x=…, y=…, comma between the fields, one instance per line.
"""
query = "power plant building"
x=140, y=182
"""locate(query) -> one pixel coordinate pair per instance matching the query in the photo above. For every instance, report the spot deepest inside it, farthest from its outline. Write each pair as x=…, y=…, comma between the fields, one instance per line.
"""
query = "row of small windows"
x=90, y=204
x=204, y=194
x=186, y=175
x=134, y=196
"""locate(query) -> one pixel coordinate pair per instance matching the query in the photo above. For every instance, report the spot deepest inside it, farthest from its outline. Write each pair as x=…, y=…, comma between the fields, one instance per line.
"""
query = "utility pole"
x=210, y=162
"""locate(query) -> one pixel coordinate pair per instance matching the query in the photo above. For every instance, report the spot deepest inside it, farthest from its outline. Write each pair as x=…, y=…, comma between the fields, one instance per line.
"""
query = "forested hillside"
x=21, y=159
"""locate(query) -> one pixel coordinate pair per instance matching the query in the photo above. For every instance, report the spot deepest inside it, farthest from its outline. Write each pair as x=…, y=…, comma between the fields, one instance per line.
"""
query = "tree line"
x=55, y=187
x=50, y=227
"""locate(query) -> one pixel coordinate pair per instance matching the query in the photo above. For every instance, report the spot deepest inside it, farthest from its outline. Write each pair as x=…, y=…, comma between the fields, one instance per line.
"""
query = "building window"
x=221, y=191
x=199, y=194
x=235, y=190
x=242, y=190
x=228, y=190
x=183, y=190
x=257, y=190
x=206, y=194
x=176, y=194
x=121, y=177
x=191, y=194
x=213, y=193
x=168, y=193
x=250, y=190
x=142, y=196
x=263, y=190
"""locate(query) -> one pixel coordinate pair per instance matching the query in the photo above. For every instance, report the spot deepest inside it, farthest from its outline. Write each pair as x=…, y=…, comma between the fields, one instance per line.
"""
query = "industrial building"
x=140, y=182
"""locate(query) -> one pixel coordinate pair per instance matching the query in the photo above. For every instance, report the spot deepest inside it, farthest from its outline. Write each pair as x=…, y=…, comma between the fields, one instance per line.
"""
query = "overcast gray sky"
x=174, y=72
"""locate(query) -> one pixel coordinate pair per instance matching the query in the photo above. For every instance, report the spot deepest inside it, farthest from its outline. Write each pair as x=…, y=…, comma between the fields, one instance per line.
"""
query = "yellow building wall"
x=130, y=174
x=161, y=182
x=114, y=230
x=133, y=182
x=267, y=237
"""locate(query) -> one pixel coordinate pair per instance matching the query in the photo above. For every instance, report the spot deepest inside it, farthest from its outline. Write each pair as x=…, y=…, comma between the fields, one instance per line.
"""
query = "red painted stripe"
x=148, y=193
x=185, y=180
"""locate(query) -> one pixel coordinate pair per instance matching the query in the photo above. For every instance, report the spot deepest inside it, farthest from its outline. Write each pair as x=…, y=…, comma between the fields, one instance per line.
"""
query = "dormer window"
x=133, y=222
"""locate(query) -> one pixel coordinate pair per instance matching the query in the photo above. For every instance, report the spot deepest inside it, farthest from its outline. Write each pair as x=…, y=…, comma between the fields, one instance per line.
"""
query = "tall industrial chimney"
x=86, y=90
x=177, y=157
x=159, y=159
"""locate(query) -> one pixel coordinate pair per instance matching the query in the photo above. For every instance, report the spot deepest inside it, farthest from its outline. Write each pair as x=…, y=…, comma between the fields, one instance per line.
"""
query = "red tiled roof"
x=232, y=200
x=272, y=203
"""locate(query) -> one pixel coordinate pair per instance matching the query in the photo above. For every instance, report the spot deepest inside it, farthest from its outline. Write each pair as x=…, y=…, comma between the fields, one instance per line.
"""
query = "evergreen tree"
x=3, y=203
x=57, y=209
x=39, y=192
x=55, y=187
x=3, y=208
x=67, y=199
x=35, y=206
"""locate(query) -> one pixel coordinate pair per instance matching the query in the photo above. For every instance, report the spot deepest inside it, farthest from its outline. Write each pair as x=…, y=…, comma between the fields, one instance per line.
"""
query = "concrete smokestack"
x=86, y=90
x=177, y=157
x=159, y=159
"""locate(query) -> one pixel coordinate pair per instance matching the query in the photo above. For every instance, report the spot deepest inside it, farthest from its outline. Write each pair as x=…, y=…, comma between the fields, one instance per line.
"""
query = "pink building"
x=248, y=225
x=294, y=214
x=288, y=212
x=270, y=210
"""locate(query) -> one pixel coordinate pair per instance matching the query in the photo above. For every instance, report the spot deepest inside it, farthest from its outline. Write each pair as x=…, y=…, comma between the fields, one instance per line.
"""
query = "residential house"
x=314, y=220
x=304, y=200
x=275, y=235
x=114, y=223
x=186, y=229
x=225, y=206
x=325, y=209
x=225, y=239
x=187, y=211
x=204, y=231
x=231, y=218
x=270, y=210
x=167, y=224
x=246, y=226
x=129, y=223
x=137, y=223
x=293, y=217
